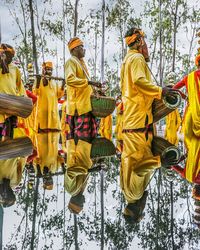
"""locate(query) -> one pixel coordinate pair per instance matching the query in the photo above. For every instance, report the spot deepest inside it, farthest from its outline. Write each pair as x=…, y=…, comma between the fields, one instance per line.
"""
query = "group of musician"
x=134, y=128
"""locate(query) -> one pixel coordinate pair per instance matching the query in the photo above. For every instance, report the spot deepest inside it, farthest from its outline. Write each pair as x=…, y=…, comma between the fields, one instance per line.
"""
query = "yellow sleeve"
x=71, y=76
x=138, y=76
x=19, y=83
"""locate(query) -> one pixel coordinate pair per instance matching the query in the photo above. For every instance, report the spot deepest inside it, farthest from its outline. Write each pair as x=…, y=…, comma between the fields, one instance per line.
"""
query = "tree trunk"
x=76, y=17
x=33, y=36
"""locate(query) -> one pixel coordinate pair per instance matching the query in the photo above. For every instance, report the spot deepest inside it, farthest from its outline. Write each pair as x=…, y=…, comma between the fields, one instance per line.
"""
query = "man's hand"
x=167, y=91
x=96, y=84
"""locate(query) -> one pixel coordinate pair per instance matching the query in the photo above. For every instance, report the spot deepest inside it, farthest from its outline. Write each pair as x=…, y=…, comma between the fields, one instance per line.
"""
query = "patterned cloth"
x=83, y=126
x=6, y=128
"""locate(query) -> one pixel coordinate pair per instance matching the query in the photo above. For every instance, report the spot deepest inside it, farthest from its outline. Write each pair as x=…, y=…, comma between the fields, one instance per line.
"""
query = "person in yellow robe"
x=138, y=91
x=10, y=176
x=79, y=89
x=137, y=166
x=191, y=121
x=48, y=91
x=76, y=176
x=48, y=160
x=105, y=127
x=11, y=84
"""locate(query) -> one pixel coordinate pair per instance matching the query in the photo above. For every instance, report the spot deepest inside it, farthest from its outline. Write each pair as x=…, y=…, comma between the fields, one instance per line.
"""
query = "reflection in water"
x=49, y=185
x=137, y=166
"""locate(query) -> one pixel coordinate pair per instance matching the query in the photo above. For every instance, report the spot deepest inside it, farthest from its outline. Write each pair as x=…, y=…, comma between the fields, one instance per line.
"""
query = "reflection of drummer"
x=10, y=177
x=48, y=160
x=76, y=176
x=137, y=166
x=11, y=84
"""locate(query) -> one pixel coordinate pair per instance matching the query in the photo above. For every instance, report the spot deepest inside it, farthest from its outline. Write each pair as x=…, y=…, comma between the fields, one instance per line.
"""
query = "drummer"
x=10, y=83
x=138, y=93
x=78, y=106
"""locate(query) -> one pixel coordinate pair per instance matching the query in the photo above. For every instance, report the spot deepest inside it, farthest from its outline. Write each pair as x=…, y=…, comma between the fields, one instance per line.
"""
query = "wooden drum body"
x=15, y=105
x=168, y=152
x=161, y=108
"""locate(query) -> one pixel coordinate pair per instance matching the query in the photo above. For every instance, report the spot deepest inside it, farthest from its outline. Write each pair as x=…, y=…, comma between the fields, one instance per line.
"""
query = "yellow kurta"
x=12, y=169
x=137, y=165
x=138, y=92
x=105, y=128
x=78, y=90
x=47, y=116
x=78, y=163
x=119, y=122
x=11, y=84
x=173, y=122
x=47, y=149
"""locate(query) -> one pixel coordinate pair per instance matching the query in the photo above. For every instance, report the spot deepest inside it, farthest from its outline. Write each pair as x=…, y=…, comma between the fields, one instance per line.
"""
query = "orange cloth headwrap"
x=74, y=42
x=197, y=60
x=4, y=48
x=47, y=64
x=131, y=39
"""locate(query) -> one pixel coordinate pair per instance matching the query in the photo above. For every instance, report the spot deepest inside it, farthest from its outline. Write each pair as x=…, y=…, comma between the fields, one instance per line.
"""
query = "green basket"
x=102, y=106
x=102, y=147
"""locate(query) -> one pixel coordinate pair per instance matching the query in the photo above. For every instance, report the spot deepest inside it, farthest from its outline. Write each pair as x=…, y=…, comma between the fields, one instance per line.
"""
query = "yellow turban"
x=4, y=48
x=47, y=64
x=74, y=42
x=131, y=39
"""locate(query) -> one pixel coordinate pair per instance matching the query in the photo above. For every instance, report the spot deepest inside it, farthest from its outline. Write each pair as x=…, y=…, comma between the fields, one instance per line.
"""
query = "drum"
x=102, y=106
x=19, y=147
x=102, y=147
x=161, y=108
x=15, y=105
x=168, y=152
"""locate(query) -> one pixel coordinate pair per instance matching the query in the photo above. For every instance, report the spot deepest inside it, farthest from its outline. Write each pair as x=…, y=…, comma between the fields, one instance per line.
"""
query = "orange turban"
x=197, y=60
x=74, y=208
x=74, y=42
x=47, y=64
x=4, y=47
x=131, y=39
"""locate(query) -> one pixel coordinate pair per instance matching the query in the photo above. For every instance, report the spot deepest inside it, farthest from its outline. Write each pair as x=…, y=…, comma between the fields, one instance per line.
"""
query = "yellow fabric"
x=78, y=163
x=119, y=122
x=78, y=90
x=74, y=42
x=194, y=103
x=105, y=127
x=138, y=92
x=64, y=127
x=173, y=122
x=11, y=84
x=191, y=129
x=47, y=116
x=12, y=169
x=47, y=150
x=193, y=159
x=47, y=64
x=137, y=165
